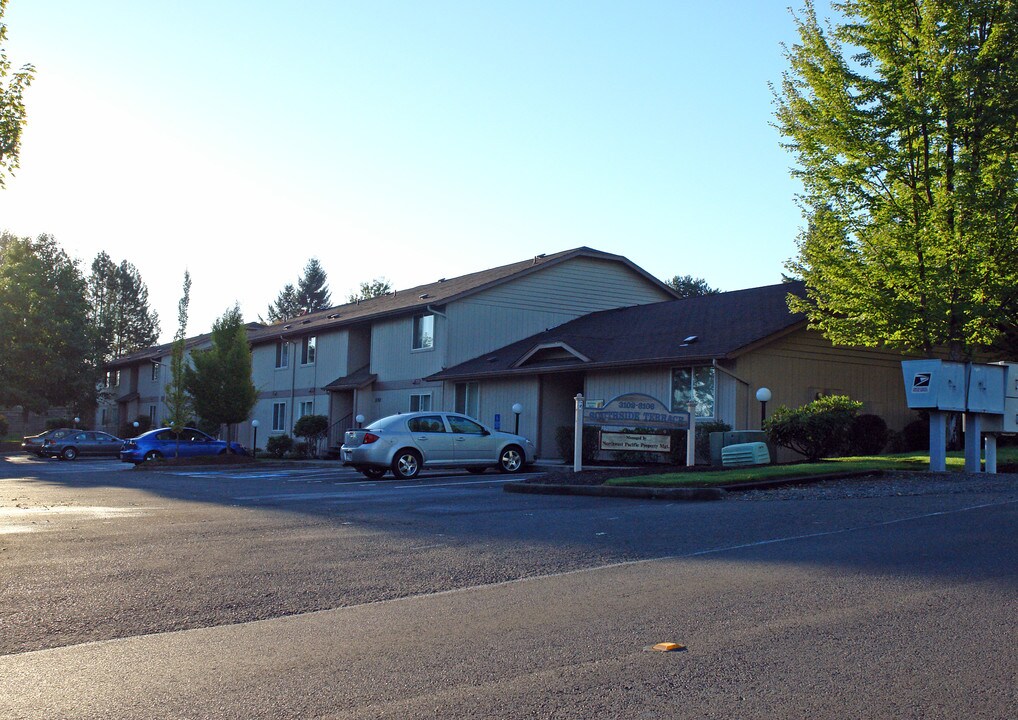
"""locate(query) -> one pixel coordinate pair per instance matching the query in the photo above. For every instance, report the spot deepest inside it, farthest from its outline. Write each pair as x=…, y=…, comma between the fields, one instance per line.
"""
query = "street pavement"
x=280, y=592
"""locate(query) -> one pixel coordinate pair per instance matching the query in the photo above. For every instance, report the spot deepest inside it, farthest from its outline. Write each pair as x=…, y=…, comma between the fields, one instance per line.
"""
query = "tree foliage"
x=12, y=104
x=313, y=289
x=286, y=306
x=220, y=380
x=371, y=289
x=313, y=428
x=311, y=294
x=903, y=119
x=119, y=312
x=178, y=402
x=688, y=286
x=43, y=329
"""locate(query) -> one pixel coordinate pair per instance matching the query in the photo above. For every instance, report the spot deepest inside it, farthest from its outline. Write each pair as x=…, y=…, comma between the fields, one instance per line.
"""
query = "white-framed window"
x=307, y=350
x=113, y=378
x=420, y=402
x=468, y=399
x=695, y=384
x=307, y=407
x=424, y=332
x=282, y=354
x=155, y=371
x=279, y=417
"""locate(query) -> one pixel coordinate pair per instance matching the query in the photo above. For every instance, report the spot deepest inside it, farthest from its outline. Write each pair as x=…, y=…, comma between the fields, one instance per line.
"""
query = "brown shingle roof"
x=696, y=329
x=437, y=293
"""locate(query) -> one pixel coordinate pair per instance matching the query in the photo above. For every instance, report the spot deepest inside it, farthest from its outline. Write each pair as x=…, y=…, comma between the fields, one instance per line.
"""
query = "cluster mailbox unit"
x=986, y=393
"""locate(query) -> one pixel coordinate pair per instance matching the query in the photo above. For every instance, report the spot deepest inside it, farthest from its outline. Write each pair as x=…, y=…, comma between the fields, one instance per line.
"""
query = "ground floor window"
x=468, y=399
x=152, y=415
x=279, y=417
x=307, y=407
x=420, y=402
x=694, y=384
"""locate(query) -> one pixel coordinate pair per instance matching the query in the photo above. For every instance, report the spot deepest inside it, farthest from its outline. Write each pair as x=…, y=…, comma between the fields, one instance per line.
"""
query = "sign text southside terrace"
x=635, y=409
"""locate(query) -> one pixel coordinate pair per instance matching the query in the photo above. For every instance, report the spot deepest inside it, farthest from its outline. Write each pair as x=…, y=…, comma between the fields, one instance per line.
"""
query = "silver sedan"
x=406, y=443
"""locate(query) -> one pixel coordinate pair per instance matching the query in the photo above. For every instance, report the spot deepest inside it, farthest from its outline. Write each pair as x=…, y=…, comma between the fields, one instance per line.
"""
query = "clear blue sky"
x=410, y=140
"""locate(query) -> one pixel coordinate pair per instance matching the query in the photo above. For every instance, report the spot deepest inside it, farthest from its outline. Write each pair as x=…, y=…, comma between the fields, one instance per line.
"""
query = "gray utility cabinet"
x=1007, y=421
x=934, y=385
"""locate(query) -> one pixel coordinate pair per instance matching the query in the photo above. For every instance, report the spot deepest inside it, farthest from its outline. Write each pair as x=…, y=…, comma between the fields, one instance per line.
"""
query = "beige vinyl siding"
x=609, y=384
x=542, y=300
x=802, y=364
x=392, y=356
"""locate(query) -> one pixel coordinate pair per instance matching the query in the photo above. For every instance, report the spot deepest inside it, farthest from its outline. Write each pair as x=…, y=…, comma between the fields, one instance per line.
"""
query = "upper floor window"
x=307, y=350
x=694, y=384
x=424, y=332
x=282, y=354
x=155, y=371
x=113, y=378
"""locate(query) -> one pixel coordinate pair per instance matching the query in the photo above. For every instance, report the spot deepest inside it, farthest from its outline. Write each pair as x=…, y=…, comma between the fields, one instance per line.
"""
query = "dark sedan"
x=82, y=442
x=164, y=443
x=33, y=443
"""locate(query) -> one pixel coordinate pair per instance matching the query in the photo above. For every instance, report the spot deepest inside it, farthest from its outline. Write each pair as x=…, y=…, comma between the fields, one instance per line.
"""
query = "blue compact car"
x=164, y=443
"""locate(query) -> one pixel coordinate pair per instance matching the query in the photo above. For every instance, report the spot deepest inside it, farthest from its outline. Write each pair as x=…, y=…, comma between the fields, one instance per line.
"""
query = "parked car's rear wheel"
x=373, y=473
x=406, y=464
x=511, y=459
x=69, y=453
x=153, y=455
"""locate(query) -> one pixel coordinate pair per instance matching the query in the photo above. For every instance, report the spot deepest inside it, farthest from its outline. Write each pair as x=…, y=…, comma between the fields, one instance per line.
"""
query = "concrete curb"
x=677, y=493
x=779, y=482
x=647, y=493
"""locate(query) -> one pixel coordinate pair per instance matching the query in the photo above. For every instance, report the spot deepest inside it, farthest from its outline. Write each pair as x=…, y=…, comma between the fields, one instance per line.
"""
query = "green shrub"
x=4, y=427
x=916, y=436
x=312, y=428
x=564, y=441
x=278, y=445
x=300, y=451
x=868, y=435
x=817, y=429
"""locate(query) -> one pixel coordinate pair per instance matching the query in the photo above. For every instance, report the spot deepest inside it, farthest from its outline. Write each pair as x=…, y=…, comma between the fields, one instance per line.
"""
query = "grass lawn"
x=906, y=461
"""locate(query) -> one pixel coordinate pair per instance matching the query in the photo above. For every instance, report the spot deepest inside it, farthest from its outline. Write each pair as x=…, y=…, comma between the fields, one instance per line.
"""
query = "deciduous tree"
x=689, y=286
x=370, y=289
x=220, y=380
x=178, y=401
x=903, y=120
x=45, y=353
x=12, y=104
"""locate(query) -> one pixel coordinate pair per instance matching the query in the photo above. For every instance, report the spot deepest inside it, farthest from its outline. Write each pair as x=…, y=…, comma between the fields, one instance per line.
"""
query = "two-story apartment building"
x=372, y=358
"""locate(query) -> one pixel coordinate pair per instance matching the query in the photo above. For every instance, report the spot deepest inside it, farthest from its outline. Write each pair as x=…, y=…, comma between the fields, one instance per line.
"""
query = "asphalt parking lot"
x=282, y=591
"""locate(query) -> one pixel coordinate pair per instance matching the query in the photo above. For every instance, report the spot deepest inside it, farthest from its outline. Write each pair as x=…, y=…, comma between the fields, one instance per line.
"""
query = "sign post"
x=578, y=435
x=691, y=435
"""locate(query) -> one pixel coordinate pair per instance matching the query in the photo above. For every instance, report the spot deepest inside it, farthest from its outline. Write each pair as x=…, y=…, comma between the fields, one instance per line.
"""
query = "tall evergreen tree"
x=903, y=119
x=313, y=289
x=286, y=306
x=119, y=313
x=220, y=381
x=43, y=327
